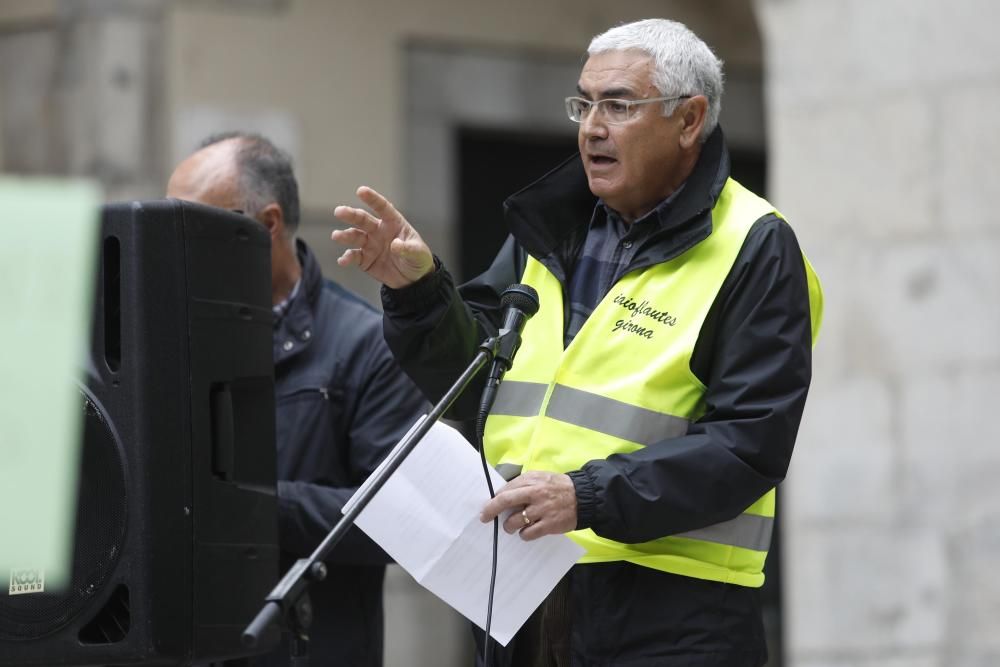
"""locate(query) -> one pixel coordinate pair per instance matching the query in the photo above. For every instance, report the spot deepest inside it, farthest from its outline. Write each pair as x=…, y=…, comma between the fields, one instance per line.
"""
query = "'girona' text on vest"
x=641, y=308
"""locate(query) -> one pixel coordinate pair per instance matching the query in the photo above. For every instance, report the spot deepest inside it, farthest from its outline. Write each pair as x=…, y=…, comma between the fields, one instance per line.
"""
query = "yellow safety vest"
x=625, y=382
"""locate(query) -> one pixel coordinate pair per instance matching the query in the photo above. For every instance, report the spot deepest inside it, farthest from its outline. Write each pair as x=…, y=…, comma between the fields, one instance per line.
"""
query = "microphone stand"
x=287, y=603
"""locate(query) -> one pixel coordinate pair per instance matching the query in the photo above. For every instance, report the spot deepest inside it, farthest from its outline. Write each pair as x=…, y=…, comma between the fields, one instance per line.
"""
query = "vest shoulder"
x=772, y=235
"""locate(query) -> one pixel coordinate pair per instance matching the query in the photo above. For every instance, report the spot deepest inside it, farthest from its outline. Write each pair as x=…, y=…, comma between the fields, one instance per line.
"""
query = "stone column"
x=82, y=88
x=883, y=149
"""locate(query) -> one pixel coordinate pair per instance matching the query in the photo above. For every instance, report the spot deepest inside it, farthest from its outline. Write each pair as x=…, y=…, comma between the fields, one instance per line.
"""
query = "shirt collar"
x=282, y=306
x=654, y=217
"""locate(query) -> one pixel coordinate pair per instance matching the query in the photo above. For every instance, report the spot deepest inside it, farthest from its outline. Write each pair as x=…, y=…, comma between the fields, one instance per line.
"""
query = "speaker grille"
x=100, y=536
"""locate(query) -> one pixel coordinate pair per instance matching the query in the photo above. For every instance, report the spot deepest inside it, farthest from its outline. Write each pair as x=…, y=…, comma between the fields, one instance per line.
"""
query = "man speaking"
x=654, y=403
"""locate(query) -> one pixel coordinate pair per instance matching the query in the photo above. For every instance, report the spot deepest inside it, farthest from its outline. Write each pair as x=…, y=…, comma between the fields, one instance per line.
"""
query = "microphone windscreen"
x=522, y=297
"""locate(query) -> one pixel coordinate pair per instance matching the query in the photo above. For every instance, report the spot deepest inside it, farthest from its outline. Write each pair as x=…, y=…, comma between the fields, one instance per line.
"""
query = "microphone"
x=520, y=302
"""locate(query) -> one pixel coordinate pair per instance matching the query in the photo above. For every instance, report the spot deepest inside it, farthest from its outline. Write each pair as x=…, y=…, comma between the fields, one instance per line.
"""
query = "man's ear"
x=694, y=114
x=273, y=218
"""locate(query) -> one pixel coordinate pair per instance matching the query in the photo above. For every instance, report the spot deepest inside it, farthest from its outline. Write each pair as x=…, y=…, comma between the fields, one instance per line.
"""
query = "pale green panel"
x=50, y=237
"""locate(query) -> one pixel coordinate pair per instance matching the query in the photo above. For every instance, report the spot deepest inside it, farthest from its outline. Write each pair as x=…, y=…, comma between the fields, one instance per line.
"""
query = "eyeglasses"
x=614, y=111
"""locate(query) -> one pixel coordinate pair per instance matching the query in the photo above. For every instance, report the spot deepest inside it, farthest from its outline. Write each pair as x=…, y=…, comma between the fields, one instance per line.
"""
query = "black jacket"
x=342, y=403
x=753, y=354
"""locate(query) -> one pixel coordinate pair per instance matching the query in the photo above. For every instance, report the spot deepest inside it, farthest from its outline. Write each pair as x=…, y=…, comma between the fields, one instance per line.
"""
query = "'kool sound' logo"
x=27, y=581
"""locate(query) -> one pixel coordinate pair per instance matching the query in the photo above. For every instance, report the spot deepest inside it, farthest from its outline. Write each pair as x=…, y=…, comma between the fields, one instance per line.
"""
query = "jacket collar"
x=293, y=331
x=550, y=217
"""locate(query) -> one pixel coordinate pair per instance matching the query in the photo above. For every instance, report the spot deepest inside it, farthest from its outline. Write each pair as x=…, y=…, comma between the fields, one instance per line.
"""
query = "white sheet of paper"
x=426, y=517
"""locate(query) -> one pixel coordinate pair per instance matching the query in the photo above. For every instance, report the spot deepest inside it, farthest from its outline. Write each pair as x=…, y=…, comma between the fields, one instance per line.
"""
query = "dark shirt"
x=609, y=248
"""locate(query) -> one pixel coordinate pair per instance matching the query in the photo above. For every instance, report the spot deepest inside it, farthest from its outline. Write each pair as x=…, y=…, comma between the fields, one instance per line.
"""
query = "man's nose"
x=593, y=124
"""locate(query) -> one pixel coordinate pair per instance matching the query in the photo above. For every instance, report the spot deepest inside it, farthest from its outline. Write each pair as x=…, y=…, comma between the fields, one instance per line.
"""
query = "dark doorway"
x=749, y=167
x=492, y=165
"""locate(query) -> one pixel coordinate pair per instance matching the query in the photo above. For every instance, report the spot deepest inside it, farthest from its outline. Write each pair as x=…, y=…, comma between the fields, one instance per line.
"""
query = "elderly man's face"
x=630, y=166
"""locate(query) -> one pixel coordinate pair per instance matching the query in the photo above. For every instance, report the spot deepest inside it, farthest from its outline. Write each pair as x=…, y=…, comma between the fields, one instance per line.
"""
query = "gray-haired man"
x=654, y=402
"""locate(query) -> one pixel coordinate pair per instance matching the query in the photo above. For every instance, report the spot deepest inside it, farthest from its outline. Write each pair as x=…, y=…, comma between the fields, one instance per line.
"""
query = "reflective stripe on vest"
x=591, y=411
x=625, y=383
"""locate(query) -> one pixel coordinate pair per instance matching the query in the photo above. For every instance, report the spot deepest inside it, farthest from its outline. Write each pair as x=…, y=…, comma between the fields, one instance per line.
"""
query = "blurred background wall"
x=882, y=145
x=868, y=123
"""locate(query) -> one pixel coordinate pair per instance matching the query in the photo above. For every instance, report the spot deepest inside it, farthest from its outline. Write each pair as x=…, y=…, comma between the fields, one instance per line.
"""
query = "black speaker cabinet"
x=176, y=528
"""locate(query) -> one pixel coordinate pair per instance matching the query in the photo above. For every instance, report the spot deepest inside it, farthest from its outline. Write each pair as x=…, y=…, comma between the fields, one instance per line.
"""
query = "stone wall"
x=83, y=92
x=883, y=154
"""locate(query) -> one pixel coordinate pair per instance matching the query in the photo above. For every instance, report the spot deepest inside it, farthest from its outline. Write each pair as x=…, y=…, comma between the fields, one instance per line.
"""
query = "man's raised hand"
x=385, y=247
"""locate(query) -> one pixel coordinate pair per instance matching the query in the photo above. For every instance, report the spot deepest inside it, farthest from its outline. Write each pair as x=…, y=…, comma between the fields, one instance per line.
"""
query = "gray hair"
x=682, y=63
x=266, y=176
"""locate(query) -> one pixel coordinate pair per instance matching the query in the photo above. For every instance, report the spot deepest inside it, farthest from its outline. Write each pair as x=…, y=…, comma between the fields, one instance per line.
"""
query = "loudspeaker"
x=176, y=529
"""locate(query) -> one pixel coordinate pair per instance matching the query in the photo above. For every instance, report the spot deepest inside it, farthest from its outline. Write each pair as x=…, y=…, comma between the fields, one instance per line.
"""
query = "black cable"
x=480, y=427
x=519, y=302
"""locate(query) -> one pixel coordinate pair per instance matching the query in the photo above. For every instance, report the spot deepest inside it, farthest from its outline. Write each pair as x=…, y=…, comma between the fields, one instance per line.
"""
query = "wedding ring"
x=524, y=515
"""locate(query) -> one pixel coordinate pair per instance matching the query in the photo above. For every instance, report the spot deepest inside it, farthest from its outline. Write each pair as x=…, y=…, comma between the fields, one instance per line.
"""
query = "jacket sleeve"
x=754, y=356
x=434, y=329
x=383, y=406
